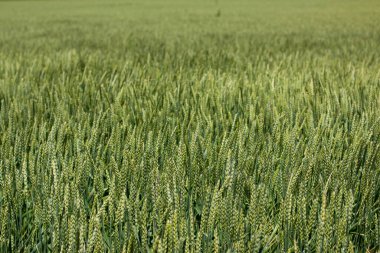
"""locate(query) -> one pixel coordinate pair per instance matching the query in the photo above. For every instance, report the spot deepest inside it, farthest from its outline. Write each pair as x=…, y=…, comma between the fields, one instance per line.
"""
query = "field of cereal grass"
x=189, y=126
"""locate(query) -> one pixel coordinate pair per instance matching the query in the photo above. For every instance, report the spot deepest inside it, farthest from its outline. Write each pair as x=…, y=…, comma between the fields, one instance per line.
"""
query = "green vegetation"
x=190, y=126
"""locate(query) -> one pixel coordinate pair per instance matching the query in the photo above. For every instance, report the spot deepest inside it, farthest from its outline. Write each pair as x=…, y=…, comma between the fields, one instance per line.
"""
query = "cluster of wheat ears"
x=202, y=151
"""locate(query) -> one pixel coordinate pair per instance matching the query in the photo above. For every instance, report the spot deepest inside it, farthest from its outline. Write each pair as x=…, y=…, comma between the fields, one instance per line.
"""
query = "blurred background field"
x=82, y=24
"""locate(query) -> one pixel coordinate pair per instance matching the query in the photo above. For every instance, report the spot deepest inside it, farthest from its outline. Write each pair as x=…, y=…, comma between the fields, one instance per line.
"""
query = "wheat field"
x=190, y=126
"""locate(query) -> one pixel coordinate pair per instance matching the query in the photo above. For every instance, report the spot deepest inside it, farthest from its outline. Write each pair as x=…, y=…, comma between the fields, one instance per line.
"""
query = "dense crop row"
x=239, y=143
